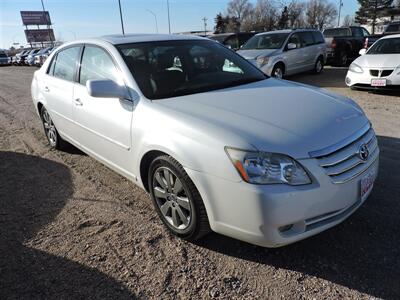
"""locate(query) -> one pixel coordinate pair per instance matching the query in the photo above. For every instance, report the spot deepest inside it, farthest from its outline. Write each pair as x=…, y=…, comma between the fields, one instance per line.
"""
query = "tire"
x=180, y=200
x=319, y=66
x=278, y=71
x=343, y=59
x=50, y=130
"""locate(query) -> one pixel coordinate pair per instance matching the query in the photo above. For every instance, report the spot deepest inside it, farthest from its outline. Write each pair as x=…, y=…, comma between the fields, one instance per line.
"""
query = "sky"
x=86, y=18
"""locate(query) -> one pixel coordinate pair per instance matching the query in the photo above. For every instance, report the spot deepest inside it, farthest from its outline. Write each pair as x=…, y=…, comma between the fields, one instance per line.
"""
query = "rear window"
x=337, y=32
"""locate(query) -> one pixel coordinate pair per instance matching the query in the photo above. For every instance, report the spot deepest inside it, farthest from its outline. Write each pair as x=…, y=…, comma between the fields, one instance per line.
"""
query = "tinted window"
x=357, y=32
x=175, y=68
x=295, y=39
x=393, y=28
x=232, y=42
x=365, y=32
x=332, y=32
x=306, y=38
x=97, y=64
x=266, y=41
x=318, y=37
x=65, y=63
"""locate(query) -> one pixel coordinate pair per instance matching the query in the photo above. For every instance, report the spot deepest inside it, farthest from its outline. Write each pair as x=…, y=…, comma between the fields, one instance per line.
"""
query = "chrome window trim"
x=339, y=145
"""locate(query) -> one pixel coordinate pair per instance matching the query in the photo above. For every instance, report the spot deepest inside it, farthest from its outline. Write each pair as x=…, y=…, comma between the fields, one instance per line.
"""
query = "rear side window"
x=318, y=37
x=393, y=28
x=357, y=32
x=307, y=39
x=97, y=64
x=332, y=32
x=64, y=65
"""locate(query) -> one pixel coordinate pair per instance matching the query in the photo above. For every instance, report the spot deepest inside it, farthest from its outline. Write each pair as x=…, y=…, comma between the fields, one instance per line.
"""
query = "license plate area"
x=366, y=185
x=378, y=82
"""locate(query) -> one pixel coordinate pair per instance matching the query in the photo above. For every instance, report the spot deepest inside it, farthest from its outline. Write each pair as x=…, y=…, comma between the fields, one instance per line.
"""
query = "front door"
x=103, y=125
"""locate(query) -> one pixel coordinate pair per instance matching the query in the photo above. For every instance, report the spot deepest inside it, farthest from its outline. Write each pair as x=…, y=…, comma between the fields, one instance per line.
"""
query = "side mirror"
x=105, y=88
x=362, y=51
x=291, y=46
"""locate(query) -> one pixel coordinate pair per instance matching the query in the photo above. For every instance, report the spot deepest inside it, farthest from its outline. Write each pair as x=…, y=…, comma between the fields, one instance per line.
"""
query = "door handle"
x=46, y=89
x=78, y=102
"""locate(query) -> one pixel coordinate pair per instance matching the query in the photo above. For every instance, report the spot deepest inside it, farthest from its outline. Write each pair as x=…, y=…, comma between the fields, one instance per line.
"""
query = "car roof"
x=287, y=31
x=137, y=38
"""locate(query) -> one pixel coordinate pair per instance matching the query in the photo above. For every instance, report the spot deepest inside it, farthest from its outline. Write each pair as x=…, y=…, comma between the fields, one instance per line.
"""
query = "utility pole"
x=169, y=21
x=120, y=15
x=205, y=26
x=340, y=9
x=48, y=27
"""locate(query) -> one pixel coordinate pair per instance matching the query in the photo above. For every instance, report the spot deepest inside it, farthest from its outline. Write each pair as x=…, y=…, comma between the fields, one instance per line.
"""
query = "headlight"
x=267, y=168
x=262, y=61
x=355, y=68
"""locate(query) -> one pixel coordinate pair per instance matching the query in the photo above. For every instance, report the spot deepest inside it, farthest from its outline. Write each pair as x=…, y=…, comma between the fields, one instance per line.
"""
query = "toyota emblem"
x=363, y=152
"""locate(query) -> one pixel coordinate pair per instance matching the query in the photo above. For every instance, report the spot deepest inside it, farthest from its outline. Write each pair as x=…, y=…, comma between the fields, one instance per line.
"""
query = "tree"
x=296, y=14
x=284, y=18
x=220, y=24
x=240, y=10
x=348, y=20
x=320, y=13
x=370, y=11
x=262, y=18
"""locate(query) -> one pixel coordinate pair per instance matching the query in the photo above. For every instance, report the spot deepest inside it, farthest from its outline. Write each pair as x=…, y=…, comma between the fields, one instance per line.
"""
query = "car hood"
x=271, y=115
x=379, y=60
x=253, y=54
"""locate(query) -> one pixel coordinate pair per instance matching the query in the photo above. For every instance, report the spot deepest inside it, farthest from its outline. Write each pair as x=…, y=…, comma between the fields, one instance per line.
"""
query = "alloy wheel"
x=49, y=128
x=278, y=73
x=171, y=198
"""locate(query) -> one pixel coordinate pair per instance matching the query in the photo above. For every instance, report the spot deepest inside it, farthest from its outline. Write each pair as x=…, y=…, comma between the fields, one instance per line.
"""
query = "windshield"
x=174, y=68
x=386, y=46
x=266, y=41
x=336, y=32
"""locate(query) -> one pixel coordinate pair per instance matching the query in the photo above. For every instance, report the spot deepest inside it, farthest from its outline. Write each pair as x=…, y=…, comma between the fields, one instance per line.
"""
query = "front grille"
x=374, y=73
x=345, y=163
x=384, y=73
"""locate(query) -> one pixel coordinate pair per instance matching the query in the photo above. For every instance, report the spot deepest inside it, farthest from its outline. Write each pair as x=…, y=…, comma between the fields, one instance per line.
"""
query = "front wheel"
x=177, y=200
x=277, y=71
x=319, y=66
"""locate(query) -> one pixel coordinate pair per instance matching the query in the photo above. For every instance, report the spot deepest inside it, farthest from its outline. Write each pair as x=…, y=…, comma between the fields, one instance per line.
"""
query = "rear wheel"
x=177, y=200
x=319, y=66
x=343, y=58
x=50, y=130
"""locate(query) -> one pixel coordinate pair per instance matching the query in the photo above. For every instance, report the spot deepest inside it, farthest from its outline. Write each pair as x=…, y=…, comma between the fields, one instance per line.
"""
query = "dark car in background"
x=233, y=40
x=4, y=59
x=344, y=43
x=392, y=28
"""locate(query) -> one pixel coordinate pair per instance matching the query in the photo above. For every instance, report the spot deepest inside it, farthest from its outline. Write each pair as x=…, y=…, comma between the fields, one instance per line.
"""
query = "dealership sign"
x=39, y=35
x=35, y=18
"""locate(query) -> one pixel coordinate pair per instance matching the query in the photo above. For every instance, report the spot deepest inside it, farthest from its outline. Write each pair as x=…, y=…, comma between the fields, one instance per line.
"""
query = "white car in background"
x=216, y=143
x=378, y=67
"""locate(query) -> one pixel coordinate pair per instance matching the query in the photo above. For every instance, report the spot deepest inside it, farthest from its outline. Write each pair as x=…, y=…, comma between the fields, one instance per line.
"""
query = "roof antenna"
x=122, y=20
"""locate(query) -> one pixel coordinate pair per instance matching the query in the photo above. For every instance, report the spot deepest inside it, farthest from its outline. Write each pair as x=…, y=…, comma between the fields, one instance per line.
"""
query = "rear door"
x=310, y=50
x=103, y=125
x=57, y=87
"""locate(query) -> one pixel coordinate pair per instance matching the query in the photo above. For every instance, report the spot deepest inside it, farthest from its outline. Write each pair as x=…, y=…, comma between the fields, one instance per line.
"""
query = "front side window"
x=174, y=68
x=332, y=32
x=64, y=64
x=386, y=46
x=365, y=32
x=266, y=41
x=295, y=39
x=96, y=64
x=393, y=28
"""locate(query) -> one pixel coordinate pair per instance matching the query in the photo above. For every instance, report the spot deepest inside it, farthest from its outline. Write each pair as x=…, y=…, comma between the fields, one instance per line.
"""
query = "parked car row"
x=5, y=60
x=31, y=57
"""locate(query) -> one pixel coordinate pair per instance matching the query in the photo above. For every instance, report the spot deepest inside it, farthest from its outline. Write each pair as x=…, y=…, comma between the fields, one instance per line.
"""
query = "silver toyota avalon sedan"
x=217, y=144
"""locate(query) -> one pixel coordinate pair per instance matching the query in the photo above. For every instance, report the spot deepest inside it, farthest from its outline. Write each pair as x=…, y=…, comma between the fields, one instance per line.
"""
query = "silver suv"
x=286, y=52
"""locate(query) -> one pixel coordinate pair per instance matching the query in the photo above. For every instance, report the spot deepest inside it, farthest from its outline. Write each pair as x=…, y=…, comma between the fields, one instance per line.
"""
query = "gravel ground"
x=71, y=228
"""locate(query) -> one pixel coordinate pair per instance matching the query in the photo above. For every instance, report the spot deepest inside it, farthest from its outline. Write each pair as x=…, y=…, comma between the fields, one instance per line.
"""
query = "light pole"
x=340, y=9
x=155, y=18
x=205, y=26
x=120, y=15
x=169, y=21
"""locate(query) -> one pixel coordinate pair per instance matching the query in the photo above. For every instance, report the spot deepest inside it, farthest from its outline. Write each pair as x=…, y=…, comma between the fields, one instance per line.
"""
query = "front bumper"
x=277, y=215
x=363, y=80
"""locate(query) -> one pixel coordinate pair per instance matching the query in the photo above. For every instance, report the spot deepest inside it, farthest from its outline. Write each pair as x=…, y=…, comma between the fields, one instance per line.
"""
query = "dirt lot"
x=71, y=228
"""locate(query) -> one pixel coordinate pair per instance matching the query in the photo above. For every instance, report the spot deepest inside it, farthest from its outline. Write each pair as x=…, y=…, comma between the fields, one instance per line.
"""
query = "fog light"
x=348, y=80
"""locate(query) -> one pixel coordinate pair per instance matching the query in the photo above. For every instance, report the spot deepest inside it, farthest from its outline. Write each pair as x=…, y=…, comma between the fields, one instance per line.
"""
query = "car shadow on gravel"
x=33, y=191
x=331, y=77
x=362, y=253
